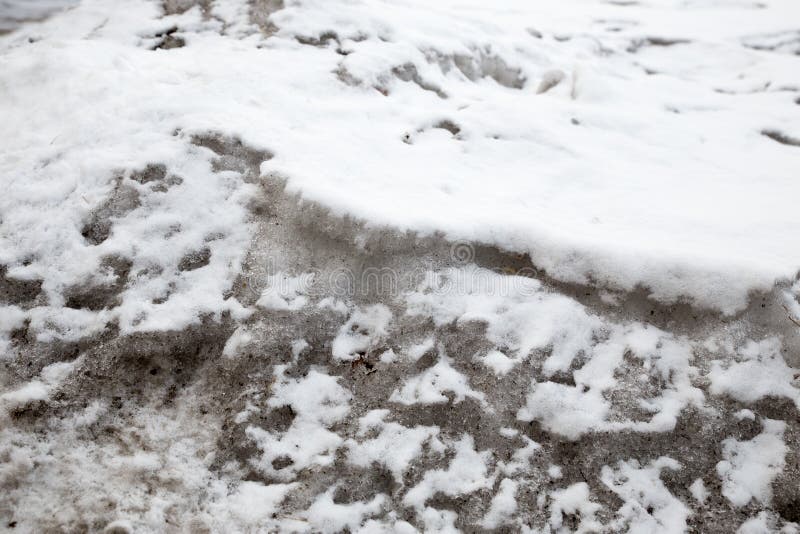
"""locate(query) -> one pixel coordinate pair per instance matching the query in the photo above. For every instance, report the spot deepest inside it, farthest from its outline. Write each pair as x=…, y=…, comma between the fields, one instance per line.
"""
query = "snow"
x=503, y=505
x=238, y=339
x=521, y=458
x=11, y=318
x=363, y=332
x=318, y=402
x=430, y=386
x=394, y=447
x=38, y=389
x=765, y=523
x=676, y=214
x=625, y=146
x=699, y=491
x=50, y=468
x=285, y=292
x=253, y=502
x=564, y=410
x=518, y=313
x=562, y=193
x=498, y=362
x=554, y=472
x=648, y=504
x=439, y=521
x=749, y=467
x=758, y=371
x=525, y=317
x=15, y=12
x=574, y=499
x=745, y=414
x=509, y=433
x=327, y=516
x=467, y=472
x=298, y=347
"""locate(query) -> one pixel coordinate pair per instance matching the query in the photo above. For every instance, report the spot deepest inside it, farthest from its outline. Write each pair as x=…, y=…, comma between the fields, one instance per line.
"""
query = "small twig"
x=789, y=315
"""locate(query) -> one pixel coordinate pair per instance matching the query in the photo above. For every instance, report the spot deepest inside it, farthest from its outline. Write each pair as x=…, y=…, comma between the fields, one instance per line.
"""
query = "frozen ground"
x=328, y=266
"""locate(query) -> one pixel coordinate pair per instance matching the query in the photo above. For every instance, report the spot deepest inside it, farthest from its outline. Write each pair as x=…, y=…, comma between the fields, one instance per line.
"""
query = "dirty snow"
x=323, y=265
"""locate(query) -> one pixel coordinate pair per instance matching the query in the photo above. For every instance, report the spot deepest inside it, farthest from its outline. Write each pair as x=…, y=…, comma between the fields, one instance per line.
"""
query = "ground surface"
x=397, y=267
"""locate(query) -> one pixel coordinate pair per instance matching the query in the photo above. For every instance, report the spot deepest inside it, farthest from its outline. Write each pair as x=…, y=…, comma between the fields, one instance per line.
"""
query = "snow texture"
x=350, y=265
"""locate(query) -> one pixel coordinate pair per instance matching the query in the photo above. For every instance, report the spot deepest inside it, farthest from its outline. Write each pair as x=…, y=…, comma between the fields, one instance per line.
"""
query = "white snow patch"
x=508, y=432
x=286, y=292
x=518, y=313
x=743, y=414
x=554, y=472
x=498, y=362
x=298, y=347
x=418, y=350
x=240, y=338
x=467, y=472
x=254, y=503
x=503, y=505
x=394, y=447
x=318, y=402
x=439, y=520
x=560, y=190
x=429, y=387
x=648, y=504
x=326, y=516
x=38, y=390
x=759, y=370
x=11, y=318
x=749, y=467
x=699, y=491
x=364, y=331
x=520, y=460
x=333, y=304
x=564, y=410
x=766, y=523
x=571, y=500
